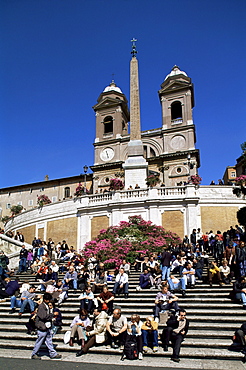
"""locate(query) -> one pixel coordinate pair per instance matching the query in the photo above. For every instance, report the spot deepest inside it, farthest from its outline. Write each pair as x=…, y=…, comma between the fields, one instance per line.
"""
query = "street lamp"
x=85, y=168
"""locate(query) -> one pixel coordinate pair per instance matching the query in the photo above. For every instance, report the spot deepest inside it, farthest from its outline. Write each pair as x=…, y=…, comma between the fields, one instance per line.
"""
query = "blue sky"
x=57, y=56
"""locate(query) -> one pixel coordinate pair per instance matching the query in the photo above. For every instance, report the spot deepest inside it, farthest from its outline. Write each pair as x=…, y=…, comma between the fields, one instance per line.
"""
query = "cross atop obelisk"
x=135, y=133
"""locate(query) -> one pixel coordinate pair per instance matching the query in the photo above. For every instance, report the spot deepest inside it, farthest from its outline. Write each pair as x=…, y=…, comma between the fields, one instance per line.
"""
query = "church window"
x=30, y=202
x=108, y=124
x=176, y=111
x=8, y=206
x=67, y=192
x=54, y=199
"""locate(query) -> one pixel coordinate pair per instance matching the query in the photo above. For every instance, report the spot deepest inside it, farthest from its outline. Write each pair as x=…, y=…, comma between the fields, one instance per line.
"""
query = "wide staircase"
x=213, y=320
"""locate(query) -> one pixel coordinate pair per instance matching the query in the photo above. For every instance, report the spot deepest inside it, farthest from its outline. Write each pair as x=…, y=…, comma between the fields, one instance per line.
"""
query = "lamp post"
x=85, y=168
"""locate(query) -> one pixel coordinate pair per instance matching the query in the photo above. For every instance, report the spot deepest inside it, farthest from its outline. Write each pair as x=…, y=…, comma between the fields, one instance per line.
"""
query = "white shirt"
x=122, y=279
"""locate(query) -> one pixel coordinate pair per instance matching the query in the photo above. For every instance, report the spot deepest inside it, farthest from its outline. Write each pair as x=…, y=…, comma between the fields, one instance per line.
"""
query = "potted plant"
x=116, y=184
x=195, y=179
x=42, y=200
x=152, y=180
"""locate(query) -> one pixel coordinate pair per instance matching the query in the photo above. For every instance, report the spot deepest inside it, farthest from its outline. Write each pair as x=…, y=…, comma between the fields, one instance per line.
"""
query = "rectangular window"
x=30, y=202
x=8, y=206
x=19, y=203
x=233, y=174
x=54, y=199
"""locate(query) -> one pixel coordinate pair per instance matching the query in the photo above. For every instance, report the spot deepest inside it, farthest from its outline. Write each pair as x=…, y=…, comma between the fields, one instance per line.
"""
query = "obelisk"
x=135, y=166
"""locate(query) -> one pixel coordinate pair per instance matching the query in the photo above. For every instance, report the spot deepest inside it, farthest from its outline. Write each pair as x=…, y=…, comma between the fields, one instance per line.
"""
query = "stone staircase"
x=213, y=320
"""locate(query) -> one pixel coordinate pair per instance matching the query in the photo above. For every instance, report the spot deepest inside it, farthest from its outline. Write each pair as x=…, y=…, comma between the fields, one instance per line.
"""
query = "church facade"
x=169, y=150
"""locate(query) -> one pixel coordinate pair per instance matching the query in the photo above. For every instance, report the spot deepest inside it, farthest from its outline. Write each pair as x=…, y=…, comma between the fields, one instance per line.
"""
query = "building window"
x=233, y=174
x=54, y=199
x=8, y=206
x=19, y=203
x=176, y=111
x=108, y=125
x=179, y=170
x=67, y=192
x=30, y=203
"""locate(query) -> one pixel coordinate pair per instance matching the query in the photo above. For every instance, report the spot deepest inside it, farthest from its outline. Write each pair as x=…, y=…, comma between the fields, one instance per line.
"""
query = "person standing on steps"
x=166, y=259
x=175, y=331
x=43, y=323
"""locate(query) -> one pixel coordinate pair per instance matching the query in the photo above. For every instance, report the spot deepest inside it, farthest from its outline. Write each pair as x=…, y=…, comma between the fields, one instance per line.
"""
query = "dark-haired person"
x=175, y=331
x=78, y=326
x=43, y=323
x=98, y=333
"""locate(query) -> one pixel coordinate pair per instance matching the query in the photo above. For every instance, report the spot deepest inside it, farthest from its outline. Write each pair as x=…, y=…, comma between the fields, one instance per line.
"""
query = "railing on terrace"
x=178, y=191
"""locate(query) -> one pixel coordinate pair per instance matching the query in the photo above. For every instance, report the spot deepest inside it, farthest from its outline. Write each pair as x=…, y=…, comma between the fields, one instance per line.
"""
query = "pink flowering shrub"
x=240, y=180
x=195, y=179
x=42, y=200
x=127, y=240
x=116, y=184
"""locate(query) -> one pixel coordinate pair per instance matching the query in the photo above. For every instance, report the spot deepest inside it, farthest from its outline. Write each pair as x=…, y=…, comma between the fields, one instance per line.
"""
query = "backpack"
x=130, y=348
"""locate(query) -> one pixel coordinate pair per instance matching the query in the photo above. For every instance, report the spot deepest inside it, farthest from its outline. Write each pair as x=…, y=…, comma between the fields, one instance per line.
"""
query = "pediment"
x=174, y=85
x=108, y=102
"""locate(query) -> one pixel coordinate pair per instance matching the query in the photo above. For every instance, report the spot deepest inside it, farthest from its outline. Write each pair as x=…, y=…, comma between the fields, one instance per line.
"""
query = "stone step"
x=201, y=352
x=193, y=332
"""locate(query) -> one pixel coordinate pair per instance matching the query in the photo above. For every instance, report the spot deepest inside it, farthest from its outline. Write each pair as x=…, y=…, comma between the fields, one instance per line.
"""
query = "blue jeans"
x=14, y=302
x=22, y=265
x=117, y=287
x=241, y=296
x=73, y=282
x=165, y=272
x=27, y=302
x=147, y=334
x=199, y=273
x=177, y=286
x=44, y=336
x=143, y=283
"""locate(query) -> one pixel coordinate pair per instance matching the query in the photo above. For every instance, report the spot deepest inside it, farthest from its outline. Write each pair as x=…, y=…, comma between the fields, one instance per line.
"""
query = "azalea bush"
x=42, y=200
x=195, y=179
x=127, y=240
x=116, y=184
x=240, y=180
x=240, y=189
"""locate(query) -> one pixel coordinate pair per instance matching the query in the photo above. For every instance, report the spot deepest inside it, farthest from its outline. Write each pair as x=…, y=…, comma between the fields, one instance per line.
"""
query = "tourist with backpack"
x=133, y=348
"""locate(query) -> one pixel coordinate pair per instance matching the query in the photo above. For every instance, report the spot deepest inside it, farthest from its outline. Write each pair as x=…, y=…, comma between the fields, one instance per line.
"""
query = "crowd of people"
x=99, y=320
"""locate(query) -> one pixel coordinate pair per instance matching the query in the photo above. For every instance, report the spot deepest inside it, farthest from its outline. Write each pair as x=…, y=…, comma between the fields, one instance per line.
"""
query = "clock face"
x=107, y=154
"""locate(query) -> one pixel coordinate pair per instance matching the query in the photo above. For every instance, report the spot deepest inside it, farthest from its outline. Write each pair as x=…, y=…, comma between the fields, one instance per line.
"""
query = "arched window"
x=67, y=192
x=176, y=111
x=108, y=125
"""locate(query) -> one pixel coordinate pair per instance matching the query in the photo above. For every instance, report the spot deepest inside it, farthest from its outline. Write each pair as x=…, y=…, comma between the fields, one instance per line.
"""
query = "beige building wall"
x=63, y=229
x=98, y=223
x=29, y=233
x=218, y=218
x=174, y=221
